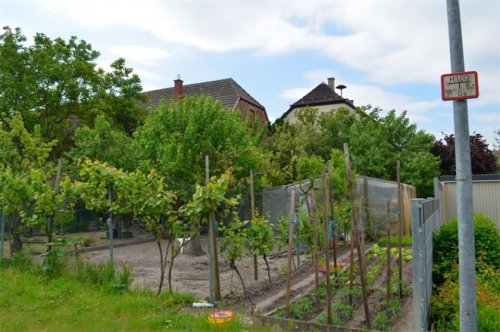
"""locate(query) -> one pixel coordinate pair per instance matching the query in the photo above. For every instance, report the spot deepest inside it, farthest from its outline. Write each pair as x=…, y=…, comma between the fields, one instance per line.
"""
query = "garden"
x=118, y=217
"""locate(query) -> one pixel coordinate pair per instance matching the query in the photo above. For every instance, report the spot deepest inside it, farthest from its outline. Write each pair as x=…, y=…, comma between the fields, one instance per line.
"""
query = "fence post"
x=418, y=280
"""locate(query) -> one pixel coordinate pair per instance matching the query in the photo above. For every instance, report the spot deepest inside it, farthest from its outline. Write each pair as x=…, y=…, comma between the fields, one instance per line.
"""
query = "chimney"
x=331, y=83
x=178, y=88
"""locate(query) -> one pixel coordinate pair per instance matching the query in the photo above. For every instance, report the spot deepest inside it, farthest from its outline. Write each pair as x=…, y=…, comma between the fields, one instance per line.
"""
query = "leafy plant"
x=259, y=238
x=445, y=246
x=300, y=309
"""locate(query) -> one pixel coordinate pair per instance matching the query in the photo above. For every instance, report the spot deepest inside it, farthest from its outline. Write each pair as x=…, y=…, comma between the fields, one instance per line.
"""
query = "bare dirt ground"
x=190, y=275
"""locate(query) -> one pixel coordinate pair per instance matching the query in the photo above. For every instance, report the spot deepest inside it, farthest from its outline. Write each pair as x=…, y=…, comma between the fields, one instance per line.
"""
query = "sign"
x=459, y=86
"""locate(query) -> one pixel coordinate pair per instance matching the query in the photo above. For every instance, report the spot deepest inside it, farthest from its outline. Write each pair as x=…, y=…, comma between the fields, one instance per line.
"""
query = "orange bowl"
x=219, y=317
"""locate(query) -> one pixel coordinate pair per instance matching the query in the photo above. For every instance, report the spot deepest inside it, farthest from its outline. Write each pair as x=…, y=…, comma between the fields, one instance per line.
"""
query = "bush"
x=445, y=307
x=445, y=247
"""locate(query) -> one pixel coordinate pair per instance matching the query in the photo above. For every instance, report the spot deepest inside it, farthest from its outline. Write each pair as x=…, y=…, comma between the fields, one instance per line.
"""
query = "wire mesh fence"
x=372, y=196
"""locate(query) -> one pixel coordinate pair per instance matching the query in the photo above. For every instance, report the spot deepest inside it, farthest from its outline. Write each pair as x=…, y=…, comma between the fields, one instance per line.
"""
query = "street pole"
x=466, y=247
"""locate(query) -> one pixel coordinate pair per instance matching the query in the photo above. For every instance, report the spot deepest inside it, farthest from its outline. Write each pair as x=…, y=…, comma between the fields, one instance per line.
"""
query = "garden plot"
x=347, y=307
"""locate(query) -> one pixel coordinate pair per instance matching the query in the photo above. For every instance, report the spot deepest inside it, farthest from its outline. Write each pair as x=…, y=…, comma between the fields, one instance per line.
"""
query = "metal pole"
x=466, y=246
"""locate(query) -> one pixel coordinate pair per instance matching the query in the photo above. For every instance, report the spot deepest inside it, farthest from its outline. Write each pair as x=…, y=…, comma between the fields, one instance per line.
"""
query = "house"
x=227, y=91
x=323, y=97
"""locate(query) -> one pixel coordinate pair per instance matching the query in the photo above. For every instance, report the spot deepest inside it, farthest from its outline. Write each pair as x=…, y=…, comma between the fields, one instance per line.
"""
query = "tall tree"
x=176, y=137
x=483, y=161
x=56, y=83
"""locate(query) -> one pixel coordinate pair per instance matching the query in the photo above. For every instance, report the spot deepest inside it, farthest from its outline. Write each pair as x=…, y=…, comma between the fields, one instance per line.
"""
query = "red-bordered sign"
x=459, y=86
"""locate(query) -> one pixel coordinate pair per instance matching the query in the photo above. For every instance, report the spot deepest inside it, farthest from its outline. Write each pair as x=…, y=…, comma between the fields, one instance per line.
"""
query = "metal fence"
x=425, y=219
x=485, y=195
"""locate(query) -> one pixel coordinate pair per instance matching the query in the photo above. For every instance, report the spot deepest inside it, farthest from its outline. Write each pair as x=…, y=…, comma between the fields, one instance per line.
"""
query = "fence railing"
x=425, y=219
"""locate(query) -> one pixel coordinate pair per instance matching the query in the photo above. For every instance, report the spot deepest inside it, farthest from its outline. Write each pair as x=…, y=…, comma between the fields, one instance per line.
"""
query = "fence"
x=372, y=197
x=485, y=195
x=425, y=219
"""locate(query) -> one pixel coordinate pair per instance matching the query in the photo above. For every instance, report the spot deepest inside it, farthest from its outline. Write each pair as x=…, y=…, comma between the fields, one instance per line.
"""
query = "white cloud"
x=141, y=54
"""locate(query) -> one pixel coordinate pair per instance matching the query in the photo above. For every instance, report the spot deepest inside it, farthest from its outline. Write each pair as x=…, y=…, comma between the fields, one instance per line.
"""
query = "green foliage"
x=212, y=197
x=445, y=307
x=445, y=246
x=300, y=309
x=381, y=321
x=405, y=241
x=259, y=236
x=176, y=138
x=375, y=144
x=56, y=84
x=233, y=240
x=103, y=142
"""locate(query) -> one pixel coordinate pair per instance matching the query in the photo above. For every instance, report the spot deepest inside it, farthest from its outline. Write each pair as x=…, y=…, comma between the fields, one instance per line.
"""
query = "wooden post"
x=400, y=235
x=388, y=289
x=332, y=208
x=366, y=203
x=290, y=253
x=327, y=259
x=252, y=215
x=212, y=243
x=357, y=238
x=110, y=225
x=315, y=238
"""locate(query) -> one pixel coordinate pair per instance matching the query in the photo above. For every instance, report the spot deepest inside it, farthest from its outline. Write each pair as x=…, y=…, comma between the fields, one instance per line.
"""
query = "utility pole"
x=466, y=246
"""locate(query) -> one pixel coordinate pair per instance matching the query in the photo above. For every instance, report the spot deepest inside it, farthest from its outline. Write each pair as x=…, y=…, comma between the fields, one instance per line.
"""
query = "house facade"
x=227, y=91
x=323, y=98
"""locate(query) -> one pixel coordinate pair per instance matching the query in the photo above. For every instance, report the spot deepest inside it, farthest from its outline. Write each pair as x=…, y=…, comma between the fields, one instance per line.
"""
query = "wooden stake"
x=212, y=243
x=400, y=235
x=388, y=289
x=332, y=208
x=357, y=239
x=290, y=248
x=327, y=259
x=315, y=238
x=252, y=214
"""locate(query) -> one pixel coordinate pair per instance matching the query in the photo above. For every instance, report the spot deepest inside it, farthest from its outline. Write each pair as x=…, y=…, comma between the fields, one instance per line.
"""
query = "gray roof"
x=323, y=94
x=227, y=91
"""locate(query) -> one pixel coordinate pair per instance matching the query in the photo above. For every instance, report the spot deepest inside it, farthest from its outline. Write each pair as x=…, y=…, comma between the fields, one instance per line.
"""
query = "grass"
x=30, y=302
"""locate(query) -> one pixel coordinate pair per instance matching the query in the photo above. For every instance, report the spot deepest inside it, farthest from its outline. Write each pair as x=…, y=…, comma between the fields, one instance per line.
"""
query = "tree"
x=377, y=143
x=28, y=180
x=55, y=84
x=483, y=160
x=105, y=143
x=176, y=138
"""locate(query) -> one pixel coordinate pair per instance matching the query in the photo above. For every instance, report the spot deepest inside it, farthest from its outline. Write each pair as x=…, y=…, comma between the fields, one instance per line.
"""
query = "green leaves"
x=176, y=137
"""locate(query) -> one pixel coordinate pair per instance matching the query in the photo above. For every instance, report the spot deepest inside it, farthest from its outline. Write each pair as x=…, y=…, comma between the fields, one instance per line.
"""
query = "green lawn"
x=34, y=303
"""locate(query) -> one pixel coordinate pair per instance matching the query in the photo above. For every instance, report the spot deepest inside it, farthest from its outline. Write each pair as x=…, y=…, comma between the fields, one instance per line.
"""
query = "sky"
x=389, y=53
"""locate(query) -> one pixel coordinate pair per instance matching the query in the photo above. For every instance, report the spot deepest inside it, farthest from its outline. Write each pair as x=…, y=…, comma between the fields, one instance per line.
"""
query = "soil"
x=190, y=275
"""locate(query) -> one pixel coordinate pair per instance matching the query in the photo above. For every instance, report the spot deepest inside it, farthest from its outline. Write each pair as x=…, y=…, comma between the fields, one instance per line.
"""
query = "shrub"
x=445, y=247
x=445, y=307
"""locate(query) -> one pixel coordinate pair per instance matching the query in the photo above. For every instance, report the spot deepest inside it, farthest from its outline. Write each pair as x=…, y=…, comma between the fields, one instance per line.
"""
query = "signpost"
x=462, y=85
x=459, y=86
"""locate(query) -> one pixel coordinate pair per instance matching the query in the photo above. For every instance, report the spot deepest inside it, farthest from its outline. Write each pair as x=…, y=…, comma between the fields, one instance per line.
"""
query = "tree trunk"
x=194, y=247
x=268, y=268
x=16, y=244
